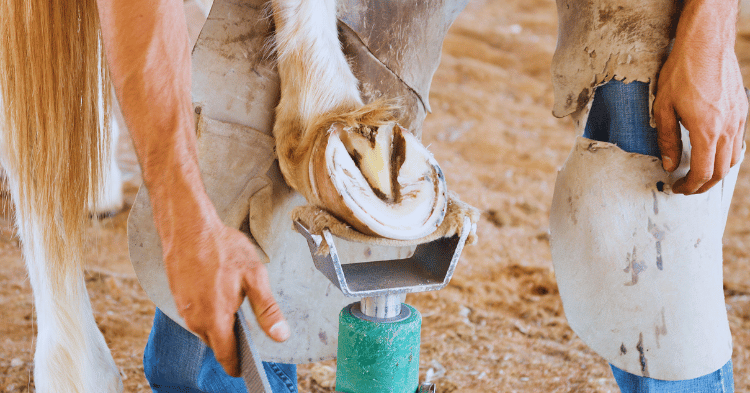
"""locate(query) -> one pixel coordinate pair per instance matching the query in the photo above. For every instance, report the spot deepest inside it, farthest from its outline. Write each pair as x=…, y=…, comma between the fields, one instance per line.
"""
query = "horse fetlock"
x=315, y=75
x=104, y=376
x=71, y=353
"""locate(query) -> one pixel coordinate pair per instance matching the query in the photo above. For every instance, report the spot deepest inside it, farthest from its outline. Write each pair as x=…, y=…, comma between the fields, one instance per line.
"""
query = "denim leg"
x=720, y=380
x=620, y=115
x=175, y=361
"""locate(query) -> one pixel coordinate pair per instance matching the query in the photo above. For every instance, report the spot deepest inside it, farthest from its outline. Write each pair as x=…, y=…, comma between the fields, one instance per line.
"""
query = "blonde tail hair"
x=54, y=91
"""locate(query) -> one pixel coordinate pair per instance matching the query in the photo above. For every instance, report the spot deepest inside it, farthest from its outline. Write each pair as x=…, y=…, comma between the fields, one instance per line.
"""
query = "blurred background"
x=499, y=326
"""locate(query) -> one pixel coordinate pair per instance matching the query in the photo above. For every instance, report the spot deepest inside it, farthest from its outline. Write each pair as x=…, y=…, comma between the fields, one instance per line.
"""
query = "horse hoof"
x=380, y=180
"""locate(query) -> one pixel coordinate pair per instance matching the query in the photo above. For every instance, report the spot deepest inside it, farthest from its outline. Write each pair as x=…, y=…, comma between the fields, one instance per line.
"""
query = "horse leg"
x=71, y=354
x=110, y=198
x=349, y=158
x=315, y=80
x=315, y=75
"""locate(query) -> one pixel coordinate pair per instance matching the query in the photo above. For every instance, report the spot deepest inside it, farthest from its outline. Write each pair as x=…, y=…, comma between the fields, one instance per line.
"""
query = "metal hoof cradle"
x=379, y=337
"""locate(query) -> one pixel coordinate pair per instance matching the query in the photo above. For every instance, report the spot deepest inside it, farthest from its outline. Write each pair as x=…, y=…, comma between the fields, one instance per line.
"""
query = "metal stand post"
x=378, y=355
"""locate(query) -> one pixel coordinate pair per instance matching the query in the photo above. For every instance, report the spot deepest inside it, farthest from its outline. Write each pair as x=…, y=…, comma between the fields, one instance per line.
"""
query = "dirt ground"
x=499, y=326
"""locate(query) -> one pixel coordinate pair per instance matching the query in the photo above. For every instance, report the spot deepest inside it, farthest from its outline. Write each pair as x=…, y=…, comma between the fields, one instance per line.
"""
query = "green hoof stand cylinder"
x=378, y=356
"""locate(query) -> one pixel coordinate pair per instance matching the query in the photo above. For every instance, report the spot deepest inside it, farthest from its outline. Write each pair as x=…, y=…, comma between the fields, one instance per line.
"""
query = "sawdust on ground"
x=499, y=326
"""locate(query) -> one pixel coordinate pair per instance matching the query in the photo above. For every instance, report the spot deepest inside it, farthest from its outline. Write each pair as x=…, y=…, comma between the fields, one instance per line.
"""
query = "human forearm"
x=710, y=25
x=147, y=48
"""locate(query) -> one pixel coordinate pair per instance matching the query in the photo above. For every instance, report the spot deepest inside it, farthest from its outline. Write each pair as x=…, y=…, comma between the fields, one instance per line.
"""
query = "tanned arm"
x=211, y=267
x=701, y=86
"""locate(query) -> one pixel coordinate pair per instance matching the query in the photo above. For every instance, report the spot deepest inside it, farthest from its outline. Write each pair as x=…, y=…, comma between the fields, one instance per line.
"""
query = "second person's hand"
x=700, y=85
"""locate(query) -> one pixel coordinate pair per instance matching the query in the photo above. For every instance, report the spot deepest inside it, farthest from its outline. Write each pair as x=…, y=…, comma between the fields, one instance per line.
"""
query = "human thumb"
x=265, y=308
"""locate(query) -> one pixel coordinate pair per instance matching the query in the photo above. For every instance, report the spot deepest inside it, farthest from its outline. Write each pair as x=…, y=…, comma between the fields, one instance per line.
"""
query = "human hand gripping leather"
x=700, y=85
x=210, y=267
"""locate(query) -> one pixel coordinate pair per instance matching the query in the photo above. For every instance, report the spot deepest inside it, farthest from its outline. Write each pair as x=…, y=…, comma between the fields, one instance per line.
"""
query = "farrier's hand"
x=211, y=268
x=701, y=86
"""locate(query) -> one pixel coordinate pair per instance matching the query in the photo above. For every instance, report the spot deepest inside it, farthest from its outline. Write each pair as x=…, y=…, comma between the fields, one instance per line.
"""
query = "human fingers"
x=702, y=159
x=739, y=138
x=222, y=340
x=729, y=144
x=668, y=134
x=722, y=163
x=265, y=308
x=211, y=317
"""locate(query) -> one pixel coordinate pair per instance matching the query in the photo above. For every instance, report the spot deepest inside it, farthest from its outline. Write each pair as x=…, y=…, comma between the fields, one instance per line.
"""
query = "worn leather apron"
x=639, y=269
x=601, y=40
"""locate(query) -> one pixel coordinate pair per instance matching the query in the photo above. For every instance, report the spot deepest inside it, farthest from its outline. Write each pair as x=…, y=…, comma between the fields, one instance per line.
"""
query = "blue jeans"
x=720, y=380
x=620, y=115
x=176, y=361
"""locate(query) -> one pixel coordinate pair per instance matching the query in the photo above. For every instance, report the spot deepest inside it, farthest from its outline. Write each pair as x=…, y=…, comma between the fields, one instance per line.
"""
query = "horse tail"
x=55, y=98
